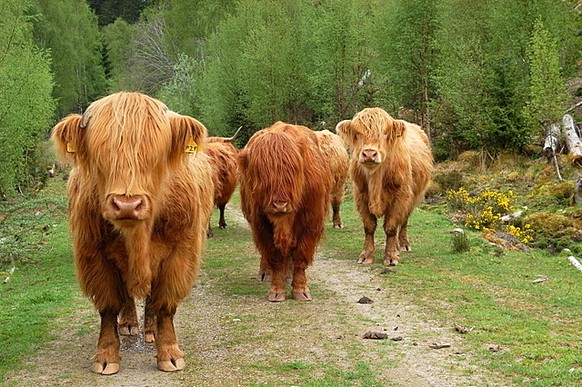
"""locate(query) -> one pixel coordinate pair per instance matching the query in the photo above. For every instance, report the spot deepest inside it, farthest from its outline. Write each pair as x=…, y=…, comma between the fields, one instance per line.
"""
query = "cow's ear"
x=345, y=131
x=67, y=137
x=189, y=134
x=399, y=128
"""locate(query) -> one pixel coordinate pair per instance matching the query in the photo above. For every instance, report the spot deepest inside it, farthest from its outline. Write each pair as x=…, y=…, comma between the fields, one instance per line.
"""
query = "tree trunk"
x=552, y=141
x=572, y=141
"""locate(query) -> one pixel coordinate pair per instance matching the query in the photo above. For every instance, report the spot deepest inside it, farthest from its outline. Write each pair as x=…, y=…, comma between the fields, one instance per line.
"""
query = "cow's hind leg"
x=170, y=357
x=403, y=239
x=107, y=358
x=222, y=220
x=336, y=218
x=128, y=322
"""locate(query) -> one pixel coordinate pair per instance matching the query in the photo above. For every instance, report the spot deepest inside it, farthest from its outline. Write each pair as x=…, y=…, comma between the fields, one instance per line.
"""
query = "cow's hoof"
x=405, y=248
x=339, y=225
x=128, y=330
x=171, y=365
x=276, y=296
x=149, y=337
x=302, y=295
x=391, y=262
x=105, y=368
x=363, y=259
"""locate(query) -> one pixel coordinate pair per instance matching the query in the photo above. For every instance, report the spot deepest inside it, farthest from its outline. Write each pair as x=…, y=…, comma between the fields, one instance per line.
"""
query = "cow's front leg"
x=170, y=357
x=299, y=283
x=278, y=281
x=149, y=325
x=107, y=358
x=128, y=322
x=392, y=249
x=367, y=254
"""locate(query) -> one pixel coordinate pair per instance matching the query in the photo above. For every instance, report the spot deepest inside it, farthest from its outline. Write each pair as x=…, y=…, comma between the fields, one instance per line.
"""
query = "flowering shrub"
x=483, y=212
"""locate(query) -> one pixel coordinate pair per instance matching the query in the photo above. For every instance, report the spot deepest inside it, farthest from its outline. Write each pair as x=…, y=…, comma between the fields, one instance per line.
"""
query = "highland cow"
x=338, y=160
x=390, y=170
x=139, y=206
x=285, y=188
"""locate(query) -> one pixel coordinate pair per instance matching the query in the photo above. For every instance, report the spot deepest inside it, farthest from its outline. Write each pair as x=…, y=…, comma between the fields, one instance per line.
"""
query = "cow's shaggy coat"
x=390, y=169
x=222, y=154
x=338, y=160
x=285, y=188
x=139, y=207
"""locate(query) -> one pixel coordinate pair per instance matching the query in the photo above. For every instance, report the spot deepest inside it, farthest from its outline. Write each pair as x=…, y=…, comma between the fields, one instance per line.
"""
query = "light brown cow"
x=390, y=170
x=139, y=207
x=285, y=188
x=222, y=154
x=337, y=158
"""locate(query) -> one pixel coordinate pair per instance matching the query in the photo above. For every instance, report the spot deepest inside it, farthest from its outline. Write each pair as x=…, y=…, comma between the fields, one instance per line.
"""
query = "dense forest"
x=481, y=75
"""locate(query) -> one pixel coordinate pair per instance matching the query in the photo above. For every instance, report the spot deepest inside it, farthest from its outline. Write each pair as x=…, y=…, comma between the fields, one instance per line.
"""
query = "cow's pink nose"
x=126, y=207
x=370, y=154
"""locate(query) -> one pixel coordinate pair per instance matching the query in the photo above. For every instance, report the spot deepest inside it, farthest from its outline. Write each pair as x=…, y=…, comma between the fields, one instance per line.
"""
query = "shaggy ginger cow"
x=285, y=187
x=222, y=155
x=337, y=158
x=390, y=171
x=139, y=207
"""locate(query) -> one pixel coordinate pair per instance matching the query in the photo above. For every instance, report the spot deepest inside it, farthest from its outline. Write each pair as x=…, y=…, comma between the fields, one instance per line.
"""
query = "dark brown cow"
x=338, y=160
x=139, y=207
x=285, y=188
x=390, y=170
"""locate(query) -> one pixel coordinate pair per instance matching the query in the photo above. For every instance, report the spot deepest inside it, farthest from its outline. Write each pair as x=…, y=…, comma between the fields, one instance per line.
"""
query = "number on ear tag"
x=191, y=147
x=71, y=147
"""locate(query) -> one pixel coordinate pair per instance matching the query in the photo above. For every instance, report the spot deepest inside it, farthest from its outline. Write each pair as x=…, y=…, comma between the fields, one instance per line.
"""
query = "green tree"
x=110, y=10
x=117, y=38
x=26, y=106
x=223, y=101
x=340, y=75
x=548, y=95
x=482, y=71
x=405, y=54
x=69, y=29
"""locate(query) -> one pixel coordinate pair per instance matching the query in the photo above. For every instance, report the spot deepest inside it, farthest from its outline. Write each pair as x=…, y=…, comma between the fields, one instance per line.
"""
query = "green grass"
x=536, y=325
x=41, y=288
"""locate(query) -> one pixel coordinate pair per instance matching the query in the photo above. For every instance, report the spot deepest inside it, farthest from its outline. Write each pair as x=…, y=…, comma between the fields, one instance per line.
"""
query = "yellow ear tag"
x=71, y=148
x=191, y=147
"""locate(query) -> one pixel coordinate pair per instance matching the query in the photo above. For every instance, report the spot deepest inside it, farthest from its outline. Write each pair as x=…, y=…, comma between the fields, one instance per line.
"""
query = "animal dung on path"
x=365, y=300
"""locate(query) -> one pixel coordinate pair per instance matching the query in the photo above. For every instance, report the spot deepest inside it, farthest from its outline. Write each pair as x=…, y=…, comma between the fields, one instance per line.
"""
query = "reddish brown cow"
x=139, y=207
x=390, y=170
x=222, y=156
x=285, y=188
x=337, y=158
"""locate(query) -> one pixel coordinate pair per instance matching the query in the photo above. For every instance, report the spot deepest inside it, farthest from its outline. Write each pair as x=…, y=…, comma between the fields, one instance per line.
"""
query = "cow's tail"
x=139, y=274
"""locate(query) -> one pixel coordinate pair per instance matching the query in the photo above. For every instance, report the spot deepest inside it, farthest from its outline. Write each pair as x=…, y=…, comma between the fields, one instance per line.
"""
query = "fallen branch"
x=575, y=262
x=572, y=141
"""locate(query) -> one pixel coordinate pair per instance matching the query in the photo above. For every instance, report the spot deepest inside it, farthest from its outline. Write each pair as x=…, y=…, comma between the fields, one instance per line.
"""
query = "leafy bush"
x=483, y=212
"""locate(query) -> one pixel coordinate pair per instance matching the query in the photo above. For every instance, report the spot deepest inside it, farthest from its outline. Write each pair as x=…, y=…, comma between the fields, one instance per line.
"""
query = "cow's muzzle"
x=370, y=156
x=123, y=207
x=279, y=208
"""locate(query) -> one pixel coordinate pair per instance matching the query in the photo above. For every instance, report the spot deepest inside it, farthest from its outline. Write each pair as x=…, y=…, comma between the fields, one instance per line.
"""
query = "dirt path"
x=245, y=340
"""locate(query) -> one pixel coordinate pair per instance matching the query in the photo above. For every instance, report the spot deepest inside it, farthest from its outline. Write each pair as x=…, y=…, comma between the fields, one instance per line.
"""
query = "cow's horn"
x=229, y=139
